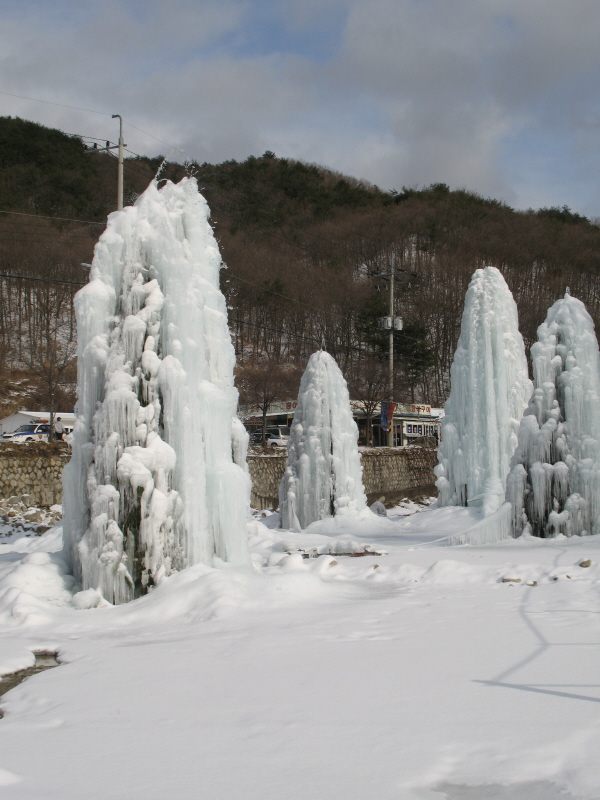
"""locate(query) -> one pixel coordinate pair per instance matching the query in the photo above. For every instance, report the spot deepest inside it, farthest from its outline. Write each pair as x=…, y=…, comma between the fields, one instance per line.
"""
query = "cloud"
x=500, y=97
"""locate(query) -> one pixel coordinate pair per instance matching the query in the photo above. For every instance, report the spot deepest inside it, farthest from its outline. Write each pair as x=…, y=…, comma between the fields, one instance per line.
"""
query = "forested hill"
x=301, y=244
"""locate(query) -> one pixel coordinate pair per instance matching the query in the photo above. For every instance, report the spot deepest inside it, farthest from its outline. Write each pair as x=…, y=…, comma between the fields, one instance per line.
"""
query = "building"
x=411, y=421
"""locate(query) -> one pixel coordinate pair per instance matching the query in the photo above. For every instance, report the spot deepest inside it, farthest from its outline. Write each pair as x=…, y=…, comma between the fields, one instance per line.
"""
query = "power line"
x=354, y=348
x=156, y=139
x=51, y=103
x=44, y=230
x=283, y=296
x=233, y=180
x=172, y=147
x=45, y=225
x=10, y=241
x=93, y=138
x=42, y=280
x=277, y=330
x=272, y=217
x=36, y=235
x=309, y=233
x=93, y=111
x=231, y=274
x=46, y=216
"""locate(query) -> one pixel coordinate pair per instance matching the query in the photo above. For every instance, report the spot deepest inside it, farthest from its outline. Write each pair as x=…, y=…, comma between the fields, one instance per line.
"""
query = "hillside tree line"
x=303, y=248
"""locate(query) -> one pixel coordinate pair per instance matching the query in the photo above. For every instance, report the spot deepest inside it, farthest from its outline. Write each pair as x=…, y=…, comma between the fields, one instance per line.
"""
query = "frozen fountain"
x=490, y=389
x=554, y=485
x=323, y=477
x=158, y=478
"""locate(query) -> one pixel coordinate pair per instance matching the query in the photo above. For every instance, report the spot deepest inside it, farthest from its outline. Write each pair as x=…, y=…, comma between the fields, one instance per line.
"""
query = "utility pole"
x=392, y=324
x=390, y=436
x=109, y=146
x=120, y=178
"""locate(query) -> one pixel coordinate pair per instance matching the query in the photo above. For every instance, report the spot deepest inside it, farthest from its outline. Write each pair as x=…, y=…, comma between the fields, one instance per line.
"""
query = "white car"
x=33, y=432
x=272, y=439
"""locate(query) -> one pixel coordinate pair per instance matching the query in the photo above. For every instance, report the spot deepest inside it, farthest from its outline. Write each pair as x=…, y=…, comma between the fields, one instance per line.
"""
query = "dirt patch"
x=44, y=659
x=34, y=449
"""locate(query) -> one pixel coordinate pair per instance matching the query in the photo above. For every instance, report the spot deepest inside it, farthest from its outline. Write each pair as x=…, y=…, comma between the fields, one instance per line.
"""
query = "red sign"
x=391, y=409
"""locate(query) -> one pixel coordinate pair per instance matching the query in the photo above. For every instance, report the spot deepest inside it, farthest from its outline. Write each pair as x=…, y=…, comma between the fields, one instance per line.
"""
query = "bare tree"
x=368, y=383
x=51, y=347
x=262, y=381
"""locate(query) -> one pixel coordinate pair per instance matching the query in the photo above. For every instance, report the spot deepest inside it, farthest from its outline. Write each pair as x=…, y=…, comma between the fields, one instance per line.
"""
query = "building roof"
x=37, y=415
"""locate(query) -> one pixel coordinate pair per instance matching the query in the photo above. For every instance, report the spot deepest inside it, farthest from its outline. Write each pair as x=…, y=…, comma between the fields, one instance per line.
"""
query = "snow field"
x=306, y=678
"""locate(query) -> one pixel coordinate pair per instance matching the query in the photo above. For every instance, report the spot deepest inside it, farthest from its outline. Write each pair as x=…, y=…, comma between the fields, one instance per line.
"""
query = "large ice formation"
x=554, y=485
x=324, y=475
x=490, y=388
x=158, y=479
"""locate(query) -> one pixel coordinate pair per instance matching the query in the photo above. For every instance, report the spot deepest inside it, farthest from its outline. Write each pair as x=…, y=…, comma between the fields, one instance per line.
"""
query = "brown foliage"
x=301, y=244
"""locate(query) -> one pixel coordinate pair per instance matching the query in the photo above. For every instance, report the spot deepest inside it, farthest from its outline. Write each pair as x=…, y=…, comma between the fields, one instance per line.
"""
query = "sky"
x=501, y=97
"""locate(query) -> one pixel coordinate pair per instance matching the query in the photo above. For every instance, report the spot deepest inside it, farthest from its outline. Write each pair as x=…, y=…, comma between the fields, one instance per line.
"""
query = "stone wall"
x=391, y=472
x=266, y=472
x=34, y=469
x=398, y=472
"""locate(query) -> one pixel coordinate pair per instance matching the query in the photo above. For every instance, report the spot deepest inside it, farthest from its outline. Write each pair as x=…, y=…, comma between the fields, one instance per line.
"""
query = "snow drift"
x=490, y=388
x=554, y=484
x=152, y=485
x=323, y=476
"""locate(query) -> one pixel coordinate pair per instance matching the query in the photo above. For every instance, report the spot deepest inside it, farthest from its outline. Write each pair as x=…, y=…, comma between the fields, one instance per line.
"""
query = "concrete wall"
x=34, y=469
x=392, y=472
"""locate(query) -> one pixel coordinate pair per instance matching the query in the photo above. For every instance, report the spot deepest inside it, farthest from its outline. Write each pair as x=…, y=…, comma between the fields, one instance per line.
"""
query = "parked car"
x=279, y=431
x=272, y=439
x=33, y=432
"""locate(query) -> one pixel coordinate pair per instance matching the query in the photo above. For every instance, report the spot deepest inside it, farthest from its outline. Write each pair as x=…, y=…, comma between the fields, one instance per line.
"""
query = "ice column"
x=324, y=475
x=153, y=484
x=490, y=388
x=554, y=485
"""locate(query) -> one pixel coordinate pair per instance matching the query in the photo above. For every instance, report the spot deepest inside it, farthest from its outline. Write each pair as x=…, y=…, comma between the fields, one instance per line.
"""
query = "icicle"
x=152, y=485
x=489, y=392
x=323, y=475
x=560, y=432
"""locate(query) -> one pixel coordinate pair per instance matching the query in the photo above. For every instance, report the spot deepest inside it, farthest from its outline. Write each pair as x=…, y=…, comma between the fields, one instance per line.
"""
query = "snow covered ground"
x=420, y=674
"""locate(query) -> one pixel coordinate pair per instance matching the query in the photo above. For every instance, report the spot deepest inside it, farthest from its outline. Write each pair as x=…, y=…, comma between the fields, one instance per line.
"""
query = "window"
x=420, y=430
x=409, y=428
